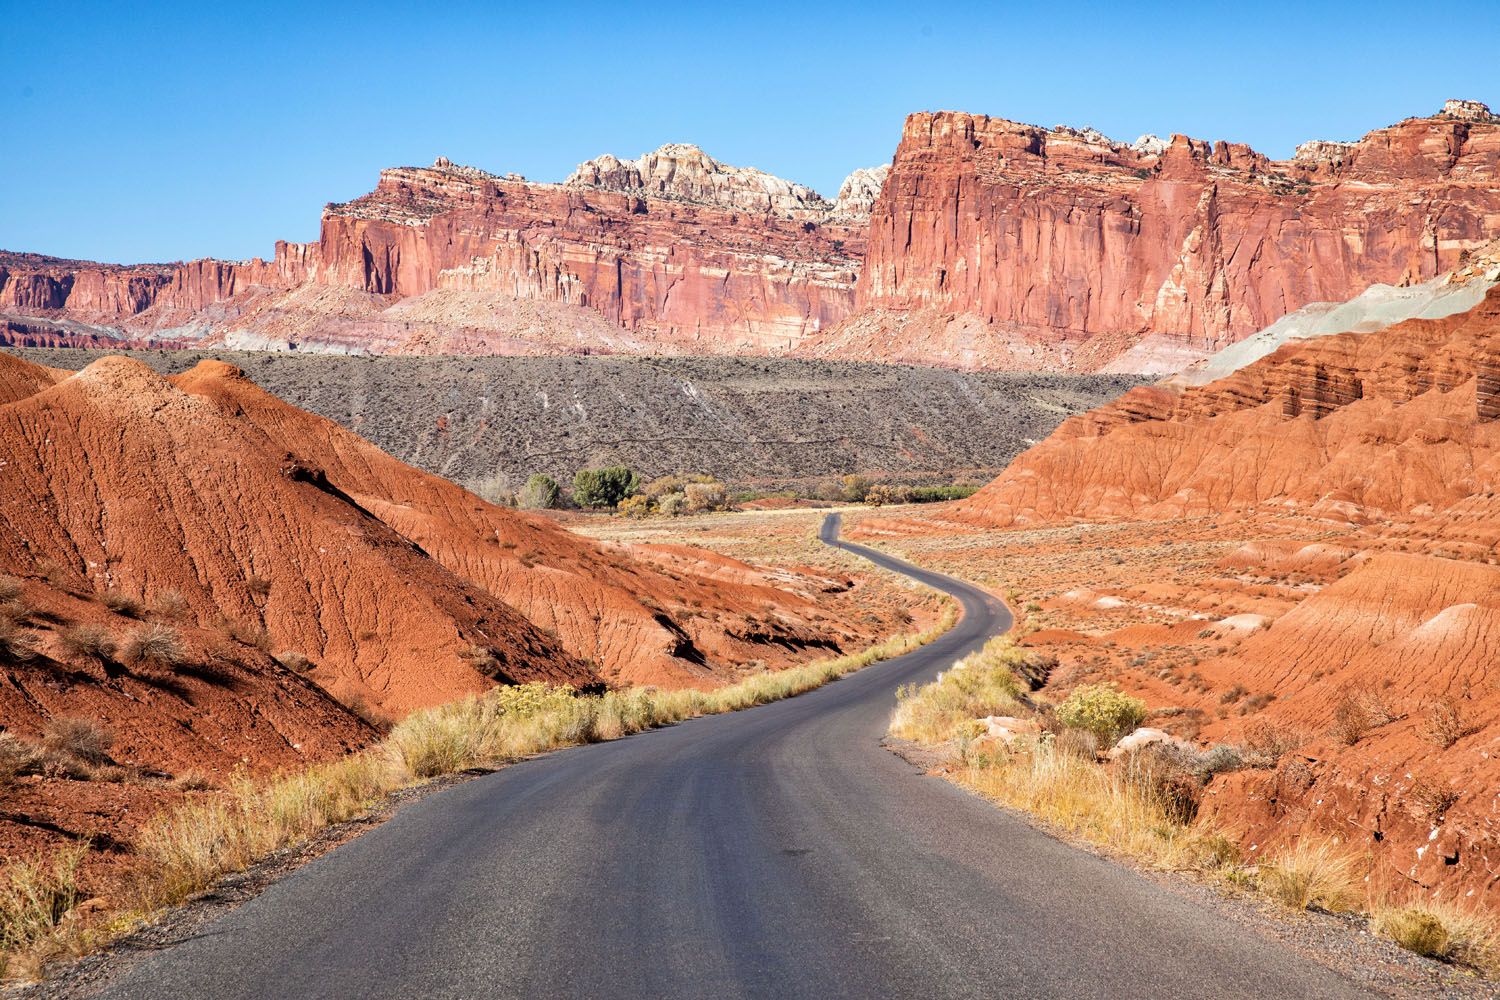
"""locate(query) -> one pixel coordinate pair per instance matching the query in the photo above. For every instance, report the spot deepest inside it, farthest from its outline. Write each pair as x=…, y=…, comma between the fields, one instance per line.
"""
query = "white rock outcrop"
x=684, y=172
x=858, y=193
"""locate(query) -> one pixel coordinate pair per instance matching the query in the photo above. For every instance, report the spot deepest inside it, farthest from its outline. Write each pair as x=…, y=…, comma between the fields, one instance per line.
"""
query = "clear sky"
x=171, y=131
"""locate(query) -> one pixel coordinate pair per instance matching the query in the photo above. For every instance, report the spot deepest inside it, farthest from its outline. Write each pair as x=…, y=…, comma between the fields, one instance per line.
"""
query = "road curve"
x=776, y=852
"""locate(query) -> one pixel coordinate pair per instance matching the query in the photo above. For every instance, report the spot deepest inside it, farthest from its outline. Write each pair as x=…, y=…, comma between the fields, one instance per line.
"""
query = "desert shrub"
x=155, y=645
x=88, y=642
x=10, y=588
x=258, y=585
x=1312, y=873
x=253, y=634
x=191, y=781
x=170, y=604
x=541, y=492
x=880, y=494
x=1433, y=798
x=604, y=487
x=1103, y=711
x=17, y=644
x=122, y=603
x=662, y=485
x=18, y=757
x=1268, y=742
x=482, y=658
x=704, y=496
x=1167, y=778
x=79, y=738
x=671, y=504
x=636, y=507
x=1442, y=930
x=829, y=489
x=294, y=661
x=1444, y=722
x=58, y=575
x=36, y=893
x=1356, y=712
x=854, y=489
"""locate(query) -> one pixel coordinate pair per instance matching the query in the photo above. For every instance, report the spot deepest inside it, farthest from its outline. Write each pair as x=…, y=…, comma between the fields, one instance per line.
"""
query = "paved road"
x=777, y=852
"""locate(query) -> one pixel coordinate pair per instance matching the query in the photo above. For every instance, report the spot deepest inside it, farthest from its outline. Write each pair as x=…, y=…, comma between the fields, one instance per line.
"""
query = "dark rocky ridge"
x=489, y=422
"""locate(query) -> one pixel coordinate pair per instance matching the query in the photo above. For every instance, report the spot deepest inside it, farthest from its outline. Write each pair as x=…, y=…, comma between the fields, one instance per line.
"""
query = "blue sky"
x=173, y=131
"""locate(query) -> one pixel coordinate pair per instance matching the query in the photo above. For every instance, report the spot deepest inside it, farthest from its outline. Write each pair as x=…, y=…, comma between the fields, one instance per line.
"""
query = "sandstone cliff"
x=998, y=243
x=991, y=244
x=672, y=253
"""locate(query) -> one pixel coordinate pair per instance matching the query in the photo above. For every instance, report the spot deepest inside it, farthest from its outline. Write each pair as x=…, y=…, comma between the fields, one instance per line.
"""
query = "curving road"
x=777, y=852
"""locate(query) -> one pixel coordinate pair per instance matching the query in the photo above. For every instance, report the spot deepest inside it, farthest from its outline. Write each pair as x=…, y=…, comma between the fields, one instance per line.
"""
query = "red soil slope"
x=263, y=516
x=1399, y=422
x=1364, y=470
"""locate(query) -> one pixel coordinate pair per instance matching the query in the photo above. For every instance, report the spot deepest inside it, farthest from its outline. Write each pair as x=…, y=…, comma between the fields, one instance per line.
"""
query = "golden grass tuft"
x=979, y=685
x=1102, y=806
x=36, y=893
x=1444, y=931
x=1313, y=873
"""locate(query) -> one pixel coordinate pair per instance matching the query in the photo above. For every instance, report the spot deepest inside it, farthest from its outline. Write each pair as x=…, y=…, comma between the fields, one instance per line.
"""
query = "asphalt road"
x=777, y=852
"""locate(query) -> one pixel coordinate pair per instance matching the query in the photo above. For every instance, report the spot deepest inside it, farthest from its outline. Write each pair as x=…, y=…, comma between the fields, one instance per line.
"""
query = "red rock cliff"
x=1065, y=235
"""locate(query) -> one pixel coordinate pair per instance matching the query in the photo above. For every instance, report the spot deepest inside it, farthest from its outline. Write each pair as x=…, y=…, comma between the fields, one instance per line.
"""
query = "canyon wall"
x=680, y=252
x=986, y=244
x=1077, y=246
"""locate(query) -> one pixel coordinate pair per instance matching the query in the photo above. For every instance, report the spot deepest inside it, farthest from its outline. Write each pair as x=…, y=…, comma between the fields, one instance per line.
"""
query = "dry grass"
x=88, y=642
x=36, y=894
x=122, y=603
x=155, y=645
x=1134, y=808
x=17, y=644
x=10, y=588
x=979, y=685
x=1111, y=808
x=1444, y=931
x=1445, y=722
x=1314, y=873
x=81, y=739
x=170, y=604
x=184, y=850
x=1357, y=711
x=294, y=661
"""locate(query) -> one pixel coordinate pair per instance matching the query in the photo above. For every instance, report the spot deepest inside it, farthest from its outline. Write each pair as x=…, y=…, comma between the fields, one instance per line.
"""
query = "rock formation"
x=991, y=244
x=672, y=253
x=997, y=241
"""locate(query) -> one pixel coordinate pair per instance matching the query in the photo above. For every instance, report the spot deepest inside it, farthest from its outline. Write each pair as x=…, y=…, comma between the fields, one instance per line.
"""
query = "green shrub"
x=540, y=493
x=937, y=494
x=604, y=487
x=1103, y=711
x=854, y=489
